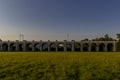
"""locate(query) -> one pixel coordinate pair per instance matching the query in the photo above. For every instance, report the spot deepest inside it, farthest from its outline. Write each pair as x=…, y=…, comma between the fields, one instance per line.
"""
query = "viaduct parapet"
x=58, y=45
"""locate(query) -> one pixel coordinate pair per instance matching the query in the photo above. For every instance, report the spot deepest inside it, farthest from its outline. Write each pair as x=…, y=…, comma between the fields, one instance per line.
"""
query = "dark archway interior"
x=21, y=47
x=77, y=46
x=37, y=47
x=69, y=46
x=85, y=47
x=12, y=47
x=60, y=46
x=44, y=47
x=52, y=47
x=5, y=47
x=110, y=47
x=93, y=47
x=102, y=47
x=29, y=47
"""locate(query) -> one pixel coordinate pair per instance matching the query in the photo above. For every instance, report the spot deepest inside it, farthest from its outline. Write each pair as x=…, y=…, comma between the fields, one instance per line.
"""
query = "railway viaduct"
x=58, y=45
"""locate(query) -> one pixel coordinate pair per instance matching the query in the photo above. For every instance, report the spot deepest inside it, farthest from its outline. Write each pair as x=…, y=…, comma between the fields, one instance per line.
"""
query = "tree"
x=106, y=36
x=118, y=36
x=86, y=39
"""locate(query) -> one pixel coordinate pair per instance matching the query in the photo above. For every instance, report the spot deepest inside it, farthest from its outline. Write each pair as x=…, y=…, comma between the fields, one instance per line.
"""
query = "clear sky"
x=54, y=19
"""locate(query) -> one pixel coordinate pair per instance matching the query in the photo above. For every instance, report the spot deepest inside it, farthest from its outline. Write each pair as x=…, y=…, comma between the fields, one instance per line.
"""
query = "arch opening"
x=77, y=46
x=93, y=47
x=29, y=47
x=101, y=47
x=60, y=46
x=69, y=46
x=52, y=47
x=45, y=47
x=85, y=47
x=12, y=47
x=20, y=47
x=37, y=46
x=5, y=47
x=109, y=47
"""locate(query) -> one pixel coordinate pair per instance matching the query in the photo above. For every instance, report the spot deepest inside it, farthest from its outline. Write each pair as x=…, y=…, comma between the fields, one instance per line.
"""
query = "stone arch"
x=20, y=46
x=45, y=46
x=109, y=47
x=77, y=46
x=85, y=46
x=101, y=47
x=60, y=46
x=69, y=46
x=52, y=46
x=29, y=46
x=5, y=47
x=12, y=46
x=93, y=46
x=37, y=47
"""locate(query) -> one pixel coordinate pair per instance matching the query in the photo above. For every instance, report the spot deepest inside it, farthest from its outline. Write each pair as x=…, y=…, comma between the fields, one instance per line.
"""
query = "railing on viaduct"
x=57, y=45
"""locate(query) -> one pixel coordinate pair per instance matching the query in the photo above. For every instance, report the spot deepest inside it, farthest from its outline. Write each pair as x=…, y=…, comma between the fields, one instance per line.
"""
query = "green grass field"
x=60, y=66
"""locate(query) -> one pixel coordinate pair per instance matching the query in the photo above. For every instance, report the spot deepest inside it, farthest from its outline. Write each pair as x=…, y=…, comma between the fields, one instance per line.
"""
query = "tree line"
x=106, y=37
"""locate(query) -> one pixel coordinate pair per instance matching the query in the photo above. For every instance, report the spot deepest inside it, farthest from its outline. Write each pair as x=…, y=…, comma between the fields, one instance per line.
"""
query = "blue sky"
x=54, y=19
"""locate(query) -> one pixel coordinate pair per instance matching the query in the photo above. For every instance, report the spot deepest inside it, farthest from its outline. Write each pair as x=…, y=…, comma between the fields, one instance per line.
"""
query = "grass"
x=60, y=66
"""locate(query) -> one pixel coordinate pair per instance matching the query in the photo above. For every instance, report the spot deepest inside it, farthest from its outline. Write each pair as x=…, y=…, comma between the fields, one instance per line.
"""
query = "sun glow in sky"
x=54, y=19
